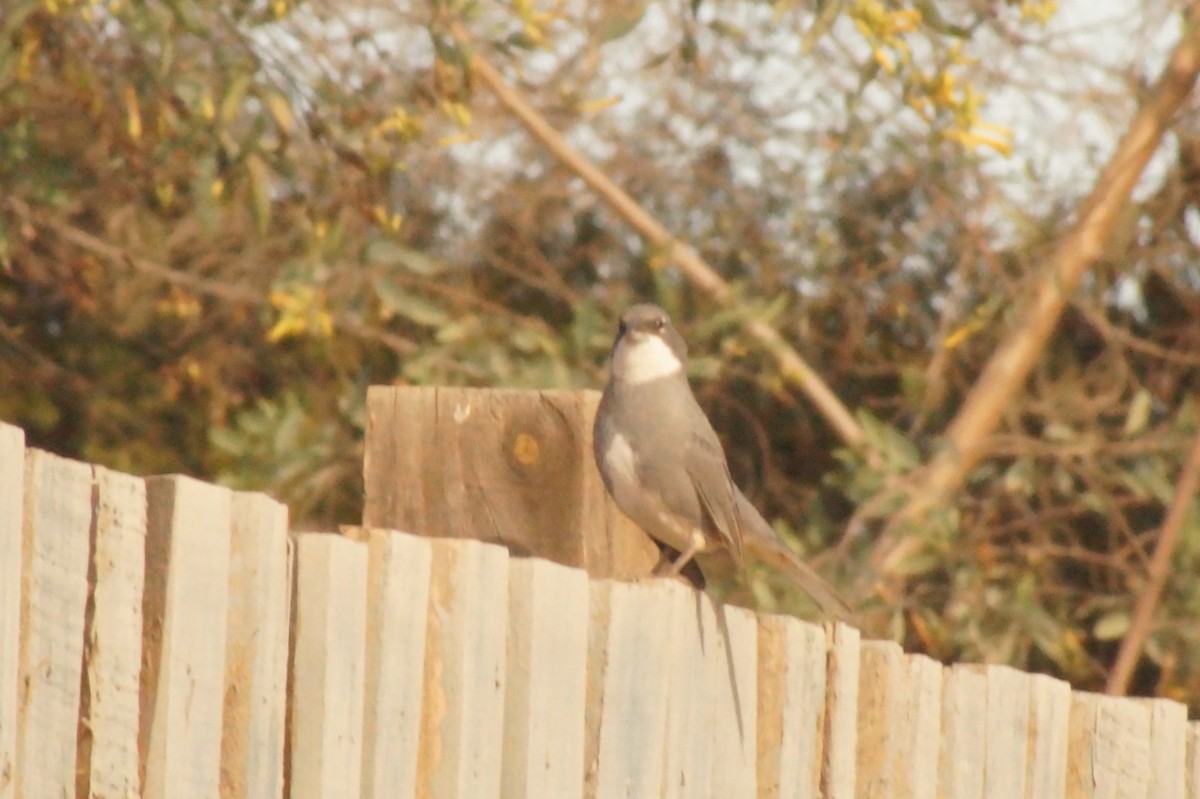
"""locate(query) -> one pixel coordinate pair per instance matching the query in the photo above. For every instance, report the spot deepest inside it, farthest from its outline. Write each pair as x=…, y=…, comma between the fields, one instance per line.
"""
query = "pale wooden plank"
x=628, y=678
x=1193, y=760
x=108, y=735
x=463, y=706
x=1126, y=723
x=259, y=622
x=58, y=515
x=1108, y=748
x=397, y=610
x=690, y=739
x=899, y=714
x=881, y=681
x=709, y=747
x=328, y=667
x=545, y=683
x=599, y=624
x=1049, y=724
x=964, y=733
x=1168, y=748
x=732, y=650
x=839, y=769
x=791, y=707
x=184, y=621
x=12, y=500
x=920, y=733
x=1006, y=755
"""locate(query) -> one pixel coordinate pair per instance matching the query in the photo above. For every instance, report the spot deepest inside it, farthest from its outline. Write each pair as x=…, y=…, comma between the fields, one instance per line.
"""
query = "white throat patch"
x=644, y=358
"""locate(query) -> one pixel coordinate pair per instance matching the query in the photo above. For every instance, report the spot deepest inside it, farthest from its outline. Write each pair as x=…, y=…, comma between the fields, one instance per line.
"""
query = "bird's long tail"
x=760, y=539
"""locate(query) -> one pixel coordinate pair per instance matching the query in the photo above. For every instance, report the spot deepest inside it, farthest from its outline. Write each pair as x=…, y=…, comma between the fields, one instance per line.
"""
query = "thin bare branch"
x=1156, y=576
x=792, y=366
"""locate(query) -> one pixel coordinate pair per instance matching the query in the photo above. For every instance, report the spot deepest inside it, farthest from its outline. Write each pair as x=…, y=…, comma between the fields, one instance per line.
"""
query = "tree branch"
x=792, y=366
x=1156, y=576
x=1005, y=373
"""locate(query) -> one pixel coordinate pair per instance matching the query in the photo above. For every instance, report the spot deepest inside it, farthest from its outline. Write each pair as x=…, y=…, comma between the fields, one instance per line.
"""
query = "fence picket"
x=397, y=613
x=1049, y=719
x=1168, y=748
x=964, y=733
x=545, y=687
x=839, y=769
x=1109, y=748
x=58, y=500
x=184, y=622
x=108, y=738
x=12, y=501
x=463, y=708
x=791, y=707
x=260, y=588
x=629, y=674
x=328, y=667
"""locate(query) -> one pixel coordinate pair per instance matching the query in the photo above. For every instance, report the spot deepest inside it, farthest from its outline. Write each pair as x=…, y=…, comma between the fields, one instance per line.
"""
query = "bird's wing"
x=709, y=473
x=765, y=545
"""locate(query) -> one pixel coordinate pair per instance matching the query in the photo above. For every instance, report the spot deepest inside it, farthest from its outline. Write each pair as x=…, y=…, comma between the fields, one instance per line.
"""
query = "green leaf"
x=231, y=103
x=388, y=253
x=901, y=453
x=413, y=307
x=260, y=189
x=1111, y=626
x=1139, y=413
x=621, y=23
x=280, y=109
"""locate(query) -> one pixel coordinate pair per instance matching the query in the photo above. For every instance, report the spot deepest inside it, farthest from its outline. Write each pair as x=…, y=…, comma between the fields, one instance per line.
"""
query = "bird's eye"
x=660, y=323
x=621, y=328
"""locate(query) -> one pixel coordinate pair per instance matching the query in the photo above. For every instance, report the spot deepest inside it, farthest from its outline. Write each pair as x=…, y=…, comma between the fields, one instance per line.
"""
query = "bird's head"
x=648, y=347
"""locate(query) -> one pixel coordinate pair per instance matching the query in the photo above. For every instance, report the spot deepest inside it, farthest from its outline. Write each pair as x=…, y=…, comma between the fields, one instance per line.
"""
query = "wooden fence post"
x=462, y=714
x=791, y=707
x=545, y=683
x=260, y=592
x=1192, y=765
x=712, y=697
x=629, y=660
x=184, y=636
x=1049, y=726
x=880, y=694
x=731, y=644
x=1108, y=748
x=839, y=768
x=689, y=745
x=1168, y=748
x=12, y=500
x=503, y=466
x=1006, y=760
x=108, y=732
x=54, y=584
x=328, y=669
x=398, y=577
x=964, y=733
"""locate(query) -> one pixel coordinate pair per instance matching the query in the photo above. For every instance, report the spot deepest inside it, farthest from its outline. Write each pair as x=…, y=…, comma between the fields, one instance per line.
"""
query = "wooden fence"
x=168, y=638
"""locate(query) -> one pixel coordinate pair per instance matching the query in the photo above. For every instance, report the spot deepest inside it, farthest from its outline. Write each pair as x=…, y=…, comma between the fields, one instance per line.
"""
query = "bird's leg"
x=684, y=558
x=696, y=543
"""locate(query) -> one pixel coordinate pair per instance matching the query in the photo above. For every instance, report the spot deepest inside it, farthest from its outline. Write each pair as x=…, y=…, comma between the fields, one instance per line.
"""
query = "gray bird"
x=663, y=465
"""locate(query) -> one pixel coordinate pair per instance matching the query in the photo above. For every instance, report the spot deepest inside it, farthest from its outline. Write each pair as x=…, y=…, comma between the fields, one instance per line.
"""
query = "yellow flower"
x=302, y=311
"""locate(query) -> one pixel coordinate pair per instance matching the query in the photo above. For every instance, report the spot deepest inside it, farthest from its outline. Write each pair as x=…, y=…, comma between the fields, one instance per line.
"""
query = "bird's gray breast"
x=641, y=441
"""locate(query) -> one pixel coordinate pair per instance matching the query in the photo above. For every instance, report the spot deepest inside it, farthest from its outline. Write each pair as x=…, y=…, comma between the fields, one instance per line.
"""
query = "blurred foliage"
x=220, y=221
